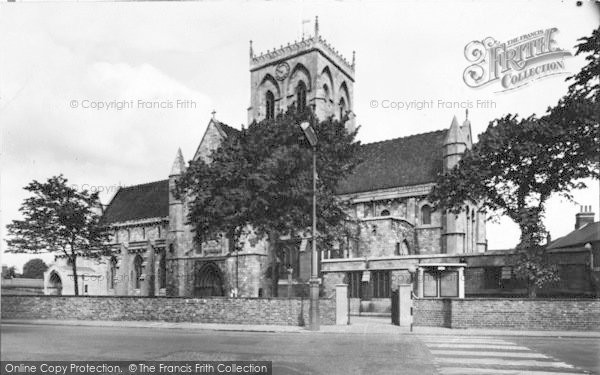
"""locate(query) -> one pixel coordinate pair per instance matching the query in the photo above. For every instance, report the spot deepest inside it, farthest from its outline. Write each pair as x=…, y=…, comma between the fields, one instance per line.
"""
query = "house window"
x=137, y=267
x=381, y=284
x=596, y=258
x=270, y=105
x=354, y=284
x=301, y=96
x=426, y=215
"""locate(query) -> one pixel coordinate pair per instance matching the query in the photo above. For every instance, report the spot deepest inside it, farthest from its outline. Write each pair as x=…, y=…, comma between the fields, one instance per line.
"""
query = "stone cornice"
x=391, y=193
x=140, y=223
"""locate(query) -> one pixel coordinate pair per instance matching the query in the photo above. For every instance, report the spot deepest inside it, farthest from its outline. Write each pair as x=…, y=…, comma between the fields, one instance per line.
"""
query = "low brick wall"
x=279, y=311
x=505, y=313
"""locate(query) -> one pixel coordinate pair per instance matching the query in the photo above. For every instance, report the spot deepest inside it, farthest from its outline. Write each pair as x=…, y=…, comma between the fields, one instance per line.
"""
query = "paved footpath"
x=491, y=355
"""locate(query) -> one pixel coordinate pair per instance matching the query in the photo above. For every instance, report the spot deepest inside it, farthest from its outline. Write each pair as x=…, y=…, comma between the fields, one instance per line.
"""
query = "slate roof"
x=589, y=233
x=138, y=202
x=412, y=160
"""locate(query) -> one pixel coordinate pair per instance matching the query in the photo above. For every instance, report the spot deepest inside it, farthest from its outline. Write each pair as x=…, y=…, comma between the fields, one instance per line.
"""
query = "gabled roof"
x=228, y=130
x=138, y=202
x=223, y=130
x=412, y=160
x=579, y=237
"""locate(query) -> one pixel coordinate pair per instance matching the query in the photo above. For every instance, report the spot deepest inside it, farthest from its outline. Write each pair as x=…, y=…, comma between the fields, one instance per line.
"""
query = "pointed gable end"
x=215, y=132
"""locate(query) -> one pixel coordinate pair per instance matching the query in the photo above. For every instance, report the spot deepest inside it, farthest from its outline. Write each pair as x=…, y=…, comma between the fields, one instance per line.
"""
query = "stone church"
x=399, y=237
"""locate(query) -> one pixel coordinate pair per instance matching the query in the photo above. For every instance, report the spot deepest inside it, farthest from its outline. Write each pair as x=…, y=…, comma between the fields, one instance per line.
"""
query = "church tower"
x=309, y=72
x=463, y=232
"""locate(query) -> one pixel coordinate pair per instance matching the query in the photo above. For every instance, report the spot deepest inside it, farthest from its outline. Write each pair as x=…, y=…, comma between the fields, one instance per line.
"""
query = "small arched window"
x=385, y=213
x=137, y=268
x=326, y=93
x=426, y=215
x=270, y=105
x=301, y=96
x=342, y=108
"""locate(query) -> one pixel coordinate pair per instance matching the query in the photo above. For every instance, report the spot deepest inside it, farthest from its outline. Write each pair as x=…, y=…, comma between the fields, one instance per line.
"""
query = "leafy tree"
x=260, y=182
x=34, y=269
x=58, y=218
x=9, y=272
x=518, y=163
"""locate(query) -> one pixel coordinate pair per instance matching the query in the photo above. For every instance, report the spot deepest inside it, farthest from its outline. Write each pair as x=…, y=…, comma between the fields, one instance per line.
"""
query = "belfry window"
x=301, y=96
x=270, y=105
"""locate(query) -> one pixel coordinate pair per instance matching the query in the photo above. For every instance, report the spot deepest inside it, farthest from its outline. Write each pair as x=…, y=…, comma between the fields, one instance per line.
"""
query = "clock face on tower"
x=282, y=71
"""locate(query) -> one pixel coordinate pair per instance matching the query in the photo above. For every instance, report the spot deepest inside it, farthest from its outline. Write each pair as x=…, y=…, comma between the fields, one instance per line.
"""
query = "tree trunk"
x=532, y=290
x=75, y=281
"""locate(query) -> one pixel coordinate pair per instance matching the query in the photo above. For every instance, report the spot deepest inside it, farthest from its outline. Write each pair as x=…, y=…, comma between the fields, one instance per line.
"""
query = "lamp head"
x=309, y=132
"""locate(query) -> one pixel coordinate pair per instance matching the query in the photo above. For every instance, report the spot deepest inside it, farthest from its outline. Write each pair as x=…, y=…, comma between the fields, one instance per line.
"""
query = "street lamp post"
x=309, y=132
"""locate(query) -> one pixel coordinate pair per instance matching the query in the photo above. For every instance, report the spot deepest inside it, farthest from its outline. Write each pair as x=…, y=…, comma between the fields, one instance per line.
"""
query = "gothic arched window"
x=113, y=272
x=342, y=108
x=301, y=96
x=402, y=248
x=162, y=267
x=137, y=267
x=326, y=93
x=426, y=215
x=270, y=105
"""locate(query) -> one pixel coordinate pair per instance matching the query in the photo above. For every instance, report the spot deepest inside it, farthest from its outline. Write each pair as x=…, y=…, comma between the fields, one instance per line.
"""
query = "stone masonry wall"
x=509, y=313
x=279, y=311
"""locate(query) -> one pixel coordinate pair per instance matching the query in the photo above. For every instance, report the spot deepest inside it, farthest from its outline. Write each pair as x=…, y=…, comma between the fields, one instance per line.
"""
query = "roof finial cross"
x=213, y=113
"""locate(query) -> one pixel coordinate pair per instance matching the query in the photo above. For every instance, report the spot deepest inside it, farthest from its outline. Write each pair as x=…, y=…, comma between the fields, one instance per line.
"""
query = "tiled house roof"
x=138, y=202
x=412, y=160
x=589, y=233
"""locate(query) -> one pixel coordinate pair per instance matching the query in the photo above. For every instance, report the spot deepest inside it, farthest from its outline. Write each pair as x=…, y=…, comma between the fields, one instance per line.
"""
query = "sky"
x=61, y=59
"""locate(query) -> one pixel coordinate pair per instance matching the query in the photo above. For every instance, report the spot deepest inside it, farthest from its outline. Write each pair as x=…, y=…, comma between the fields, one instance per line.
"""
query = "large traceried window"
x=270, y=105
x=301, y=96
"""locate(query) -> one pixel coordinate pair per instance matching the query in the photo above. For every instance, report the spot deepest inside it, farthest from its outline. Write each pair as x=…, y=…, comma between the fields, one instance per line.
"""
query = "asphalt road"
x=291, y=353
x=303, y=353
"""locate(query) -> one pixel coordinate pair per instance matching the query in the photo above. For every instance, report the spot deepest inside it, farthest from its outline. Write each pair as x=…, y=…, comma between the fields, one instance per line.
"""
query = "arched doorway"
x=208, y=281
x=55, y=284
